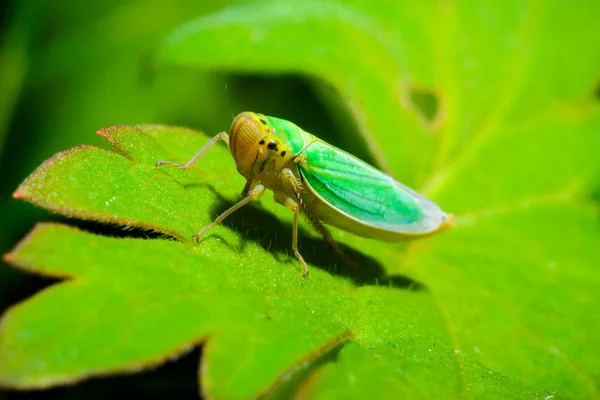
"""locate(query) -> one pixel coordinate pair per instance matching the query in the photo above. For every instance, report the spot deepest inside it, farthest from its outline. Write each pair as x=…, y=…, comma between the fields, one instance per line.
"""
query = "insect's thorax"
x=267, y=170
x=289, y=141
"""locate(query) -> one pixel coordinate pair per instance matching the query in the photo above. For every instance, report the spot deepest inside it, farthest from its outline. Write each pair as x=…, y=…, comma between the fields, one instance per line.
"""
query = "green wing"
x=366, y=194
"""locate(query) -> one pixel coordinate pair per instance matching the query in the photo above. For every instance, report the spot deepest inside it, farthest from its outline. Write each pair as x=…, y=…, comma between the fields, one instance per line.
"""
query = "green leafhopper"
x=324, y=183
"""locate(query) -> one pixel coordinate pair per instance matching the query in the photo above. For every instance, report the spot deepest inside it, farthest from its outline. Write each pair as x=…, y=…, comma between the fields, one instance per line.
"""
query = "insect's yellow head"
x=253, y=143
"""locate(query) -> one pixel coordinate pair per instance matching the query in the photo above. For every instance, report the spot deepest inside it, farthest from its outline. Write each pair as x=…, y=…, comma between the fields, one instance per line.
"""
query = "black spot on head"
x=262, y=121
x=262, y=141
x=272, y=145
x=283, y=153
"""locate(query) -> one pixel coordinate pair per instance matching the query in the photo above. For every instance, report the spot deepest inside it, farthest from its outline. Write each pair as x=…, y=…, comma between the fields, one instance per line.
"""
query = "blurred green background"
x=69, y=68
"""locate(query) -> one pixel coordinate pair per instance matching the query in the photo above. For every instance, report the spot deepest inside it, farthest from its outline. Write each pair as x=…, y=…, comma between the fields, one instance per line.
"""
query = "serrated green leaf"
x=254, y=323
x=142, y=318
x=502, y=306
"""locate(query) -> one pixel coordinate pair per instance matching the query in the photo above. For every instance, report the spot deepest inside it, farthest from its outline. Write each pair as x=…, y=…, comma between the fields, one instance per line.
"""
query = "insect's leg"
x=220, y=136
x=295, y=241
x=282, y=198
x=251, y=195
x=247, y=187
x=329, y=239
x=290, y=179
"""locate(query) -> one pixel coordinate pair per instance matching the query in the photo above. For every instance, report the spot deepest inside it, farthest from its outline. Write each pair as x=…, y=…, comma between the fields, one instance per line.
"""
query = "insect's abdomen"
x=330, y=216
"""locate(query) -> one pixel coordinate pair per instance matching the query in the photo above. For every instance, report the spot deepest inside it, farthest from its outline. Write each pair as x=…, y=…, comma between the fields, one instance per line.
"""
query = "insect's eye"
x=246, y=137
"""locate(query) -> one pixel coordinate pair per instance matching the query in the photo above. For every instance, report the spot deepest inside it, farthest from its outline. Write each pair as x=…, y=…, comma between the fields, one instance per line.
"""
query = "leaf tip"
x=21, y=258
x=12, y=256
x=8, y=258
x=105, y=132
x=18, y=194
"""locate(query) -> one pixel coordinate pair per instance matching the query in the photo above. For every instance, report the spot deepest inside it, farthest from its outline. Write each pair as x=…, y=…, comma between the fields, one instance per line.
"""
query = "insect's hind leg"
x=324, y=232
x=219, y=136
x=295, y=242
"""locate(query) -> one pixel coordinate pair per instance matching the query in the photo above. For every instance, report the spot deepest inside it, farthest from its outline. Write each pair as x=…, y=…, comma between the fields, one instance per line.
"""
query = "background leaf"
x=501, y=306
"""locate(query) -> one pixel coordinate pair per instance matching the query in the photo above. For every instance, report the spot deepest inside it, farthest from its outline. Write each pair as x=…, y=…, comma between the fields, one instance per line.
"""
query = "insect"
x=326, y=184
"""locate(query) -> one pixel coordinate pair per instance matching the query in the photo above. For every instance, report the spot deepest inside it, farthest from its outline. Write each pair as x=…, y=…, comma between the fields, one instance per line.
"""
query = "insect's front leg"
x=251, y=195
x=220, y=136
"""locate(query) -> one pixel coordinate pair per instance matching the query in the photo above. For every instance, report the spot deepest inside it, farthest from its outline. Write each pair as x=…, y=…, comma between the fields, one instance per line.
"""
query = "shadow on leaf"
x=262, y=227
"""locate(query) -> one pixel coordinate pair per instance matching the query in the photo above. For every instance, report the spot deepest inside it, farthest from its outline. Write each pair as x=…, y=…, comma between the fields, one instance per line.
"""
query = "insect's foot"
x=196, y=237
x=165, y=162
x=302, y=262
